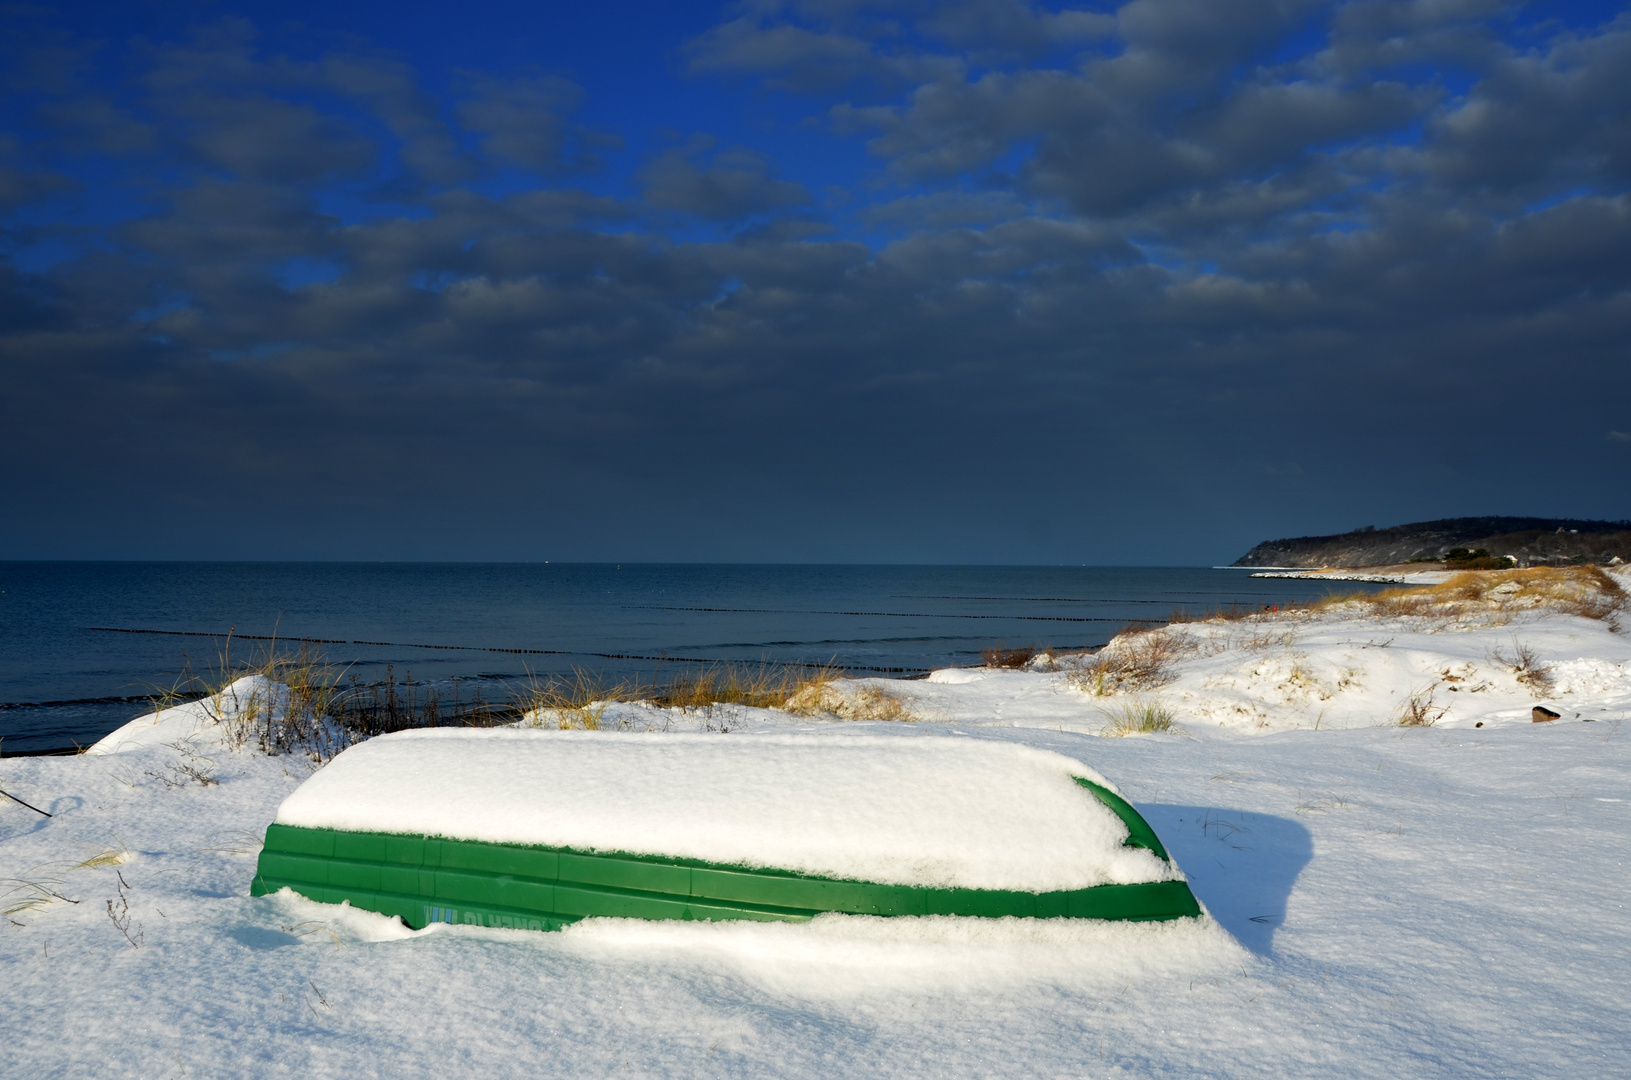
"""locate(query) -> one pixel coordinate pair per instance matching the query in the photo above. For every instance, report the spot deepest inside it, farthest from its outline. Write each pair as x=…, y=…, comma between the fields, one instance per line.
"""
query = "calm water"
x=64, y=652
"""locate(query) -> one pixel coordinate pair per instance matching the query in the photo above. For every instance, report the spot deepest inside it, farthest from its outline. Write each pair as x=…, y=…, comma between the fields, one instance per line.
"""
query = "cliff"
x=1531, y=541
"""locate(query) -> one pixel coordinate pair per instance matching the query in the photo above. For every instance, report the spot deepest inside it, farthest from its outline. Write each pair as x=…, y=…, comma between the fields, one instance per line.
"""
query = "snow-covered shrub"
x=286, y=708
x=850, y=700
x=1133, y=662
x=1524, y=663
x=1000, y=656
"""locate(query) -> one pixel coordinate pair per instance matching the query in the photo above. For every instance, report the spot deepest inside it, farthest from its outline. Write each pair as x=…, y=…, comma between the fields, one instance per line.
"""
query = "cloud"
x=1134, y=128
x=1194, y=39
x=1005, y=29
x=21, y=186
x=1561, y=115
x=946, y=209
x=426, y=147
x=721, y=185
x=91, y=124
x=811, y=61
x=1109, y=269
x=263, y=138
x=523, y=121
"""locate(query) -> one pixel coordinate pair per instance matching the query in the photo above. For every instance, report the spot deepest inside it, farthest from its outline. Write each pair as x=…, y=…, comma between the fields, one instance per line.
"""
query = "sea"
x=85, y=647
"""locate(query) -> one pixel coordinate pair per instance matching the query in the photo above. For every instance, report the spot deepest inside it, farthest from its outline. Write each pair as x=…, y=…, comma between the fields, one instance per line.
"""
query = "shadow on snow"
x=1241, y=865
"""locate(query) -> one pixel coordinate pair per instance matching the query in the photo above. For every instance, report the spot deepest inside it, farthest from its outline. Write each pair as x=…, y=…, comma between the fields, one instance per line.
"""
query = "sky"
x=827, y=281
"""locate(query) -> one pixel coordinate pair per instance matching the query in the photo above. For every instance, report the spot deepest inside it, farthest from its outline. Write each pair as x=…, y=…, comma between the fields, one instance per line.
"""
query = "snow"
x=1446, y=901
x=1329, y=670
x=195, y=720
x=958, y=676
x=938, y=812
x=1395, y=577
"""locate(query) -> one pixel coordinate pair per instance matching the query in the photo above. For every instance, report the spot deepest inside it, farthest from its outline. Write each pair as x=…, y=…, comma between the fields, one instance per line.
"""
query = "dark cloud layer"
x=731, y=185
x=1146, y=283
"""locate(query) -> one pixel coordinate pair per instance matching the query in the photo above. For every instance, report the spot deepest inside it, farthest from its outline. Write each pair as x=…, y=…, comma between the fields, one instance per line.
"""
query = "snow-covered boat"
x=537, y=829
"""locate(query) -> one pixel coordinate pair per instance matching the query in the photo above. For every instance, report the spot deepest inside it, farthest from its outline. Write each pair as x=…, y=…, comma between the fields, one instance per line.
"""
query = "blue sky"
x=828, y=280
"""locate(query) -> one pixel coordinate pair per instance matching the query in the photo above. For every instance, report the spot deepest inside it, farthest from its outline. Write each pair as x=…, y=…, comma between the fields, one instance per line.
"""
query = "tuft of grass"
x=580, y=700
x=299, y=710
x=191, y=767
x=1139, y=716
x=1525, y=663
x=1234, y=612
x=305, y=705
x=760, y=685
x=1264, y=640
x=246, y=843
x=388, y=704
x=1000, y=656
x=1418, y=709
x=850, y=700
x=569, y=702
x=21, y=895
x=1134, y=661
x=294, y=709
x=109, y=857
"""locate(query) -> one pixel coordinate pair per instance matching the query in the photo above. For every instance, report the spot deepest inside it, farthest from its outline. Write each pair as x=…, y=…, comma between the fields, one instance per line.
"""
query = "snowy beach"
x=1405, y=875
x=1388, y=575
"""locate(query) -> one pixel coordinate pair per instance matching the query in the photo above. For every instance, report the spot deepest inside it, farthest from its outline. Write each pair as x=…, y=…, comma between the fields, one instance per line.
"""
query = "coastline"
x=1356, y=791
x=1404, y=574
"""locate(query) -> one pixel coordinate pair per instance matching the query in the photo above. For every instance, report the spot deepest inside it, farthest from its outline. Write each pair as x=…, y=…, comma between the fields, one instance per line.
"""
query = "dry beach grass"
x=1133, y=661
x=1491, y=595
x=303, y=704
x=581, y=699
x=1137, y=716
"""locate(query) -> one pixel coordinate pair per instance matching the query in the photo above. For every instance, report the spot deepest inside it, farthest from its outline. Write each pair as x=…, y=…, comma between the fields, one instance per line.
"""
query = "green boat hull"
x=426, y=880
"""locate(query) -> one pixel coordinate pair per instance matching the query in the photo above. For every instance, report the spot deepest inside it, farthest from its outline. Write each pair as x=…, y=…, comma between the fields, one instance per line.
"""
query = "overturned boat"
x=538, y=829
